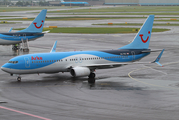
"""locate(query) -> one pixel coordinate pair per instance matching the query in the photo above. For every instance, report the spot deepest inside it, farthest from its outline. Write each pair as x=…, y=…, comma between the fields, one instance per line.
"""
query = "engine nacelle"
x=80, y=71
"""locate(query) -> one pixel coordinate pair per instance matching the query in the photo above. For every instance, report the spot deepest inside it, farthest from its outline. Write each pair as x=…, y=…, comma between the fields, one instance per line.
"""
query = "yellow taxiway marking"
x=129, y=74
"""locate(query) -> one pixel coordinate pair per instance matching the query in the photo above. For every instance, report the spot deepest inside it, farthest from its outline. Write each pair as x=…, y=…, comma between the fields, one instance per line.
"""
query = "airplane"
x=73, y=3
x=84, y=63
x=32, y=32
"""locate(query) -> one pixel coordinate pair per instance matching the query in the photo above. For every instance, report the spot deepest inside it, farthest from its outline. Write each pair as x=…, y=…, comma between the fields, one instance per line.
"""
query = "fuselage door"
x=133, y=55
x=24, y=36
x=27, y=62
x=76, y=59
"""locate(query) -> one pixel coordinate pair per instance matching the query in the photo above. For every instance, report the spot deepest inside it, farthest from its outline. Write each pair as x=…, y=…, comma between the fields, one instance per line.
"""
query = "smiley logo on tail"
x=38, y=27
x=144, y=41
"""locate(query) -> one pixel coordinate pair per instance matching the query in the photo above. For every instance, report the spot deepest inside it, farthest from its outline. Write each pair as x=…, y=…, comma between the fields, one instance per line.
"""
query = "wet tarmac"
x=137, y=91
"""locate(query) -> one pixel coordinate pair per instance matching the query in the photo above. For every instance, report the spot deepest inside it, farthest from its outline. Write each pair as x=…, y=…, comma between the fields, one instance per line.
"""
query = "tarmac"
x=137, y=91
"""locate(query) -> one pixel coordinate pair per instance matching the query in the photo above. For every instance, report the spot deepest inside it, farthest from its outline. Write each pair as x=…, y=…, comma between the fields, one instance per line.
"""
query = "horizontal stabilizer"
x=46, y=31
x=149, y=51
x=54, y=47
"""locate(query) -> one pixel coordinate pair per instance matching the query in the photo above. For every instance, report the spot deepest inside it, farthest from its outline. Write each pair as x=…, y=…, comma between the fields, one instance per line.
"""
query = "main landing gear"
x=19, y=79
x=91, y=78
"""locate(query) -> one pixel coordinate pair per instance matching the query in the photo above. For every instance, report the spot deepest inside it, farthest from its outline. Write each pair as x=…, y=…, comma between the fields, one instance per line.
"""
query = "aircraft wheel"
x=19, y=79
x=91, y=80
x=92, y=75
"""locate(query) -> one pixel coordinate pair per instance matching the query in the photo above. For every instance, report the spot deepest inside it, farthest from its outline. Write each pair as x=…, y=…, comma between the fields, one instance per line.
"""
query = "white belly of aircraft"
x=8, y=42
x=62, y=66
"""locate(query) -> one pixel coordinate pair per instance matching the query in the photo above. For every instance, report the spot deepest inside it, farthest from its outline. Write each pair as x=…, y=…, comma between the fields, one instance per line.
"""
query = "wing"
x=102, y=66
x=105, y=66
x=112, y=65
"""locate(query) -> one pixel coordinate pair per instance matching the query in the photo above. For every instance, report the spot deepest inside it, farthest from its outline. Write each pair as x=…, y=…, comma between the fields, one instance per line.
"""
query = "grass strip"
x=5, y=22
x=85, y=18
x=73, y=18
x=91, y=30
x=125, y=13
x=12, y=9
x=137, y=24
x=123, y=9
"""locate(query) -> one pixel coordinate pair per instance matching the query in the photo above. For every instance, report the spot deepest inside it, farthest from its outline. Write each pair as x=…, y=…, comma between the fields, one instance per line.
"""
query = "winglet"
x=158, y=58
x=54, y=47
x=11, y=29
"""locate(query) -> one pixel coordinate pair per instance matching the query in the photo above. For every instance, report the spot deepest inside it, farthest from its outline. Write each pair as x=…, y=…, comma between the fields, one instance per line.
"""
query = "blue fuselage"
x=17, y=37
x=62, y=61
x=74, y=3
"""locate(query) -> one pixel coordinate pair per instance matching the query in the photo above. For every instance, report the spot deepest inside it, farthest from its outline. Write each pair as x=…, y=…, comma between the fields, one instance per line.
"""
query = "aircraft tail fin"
x=37, y=24
x=142, y=39
x=54, y=47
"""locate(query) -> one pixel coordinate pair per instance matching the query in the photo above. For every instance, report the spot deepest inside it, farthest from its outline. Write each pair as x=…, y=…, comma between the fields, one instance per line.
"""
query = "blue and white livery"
x=33, y=32
x=83, y=63
x=73, y=3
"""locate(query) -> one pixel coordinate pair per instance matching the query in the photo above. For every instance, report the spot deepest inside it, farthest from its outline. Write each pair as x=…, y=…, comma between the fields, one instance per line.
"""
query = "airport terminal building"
x=143, y=2
x=129, y=2
x=111, y=2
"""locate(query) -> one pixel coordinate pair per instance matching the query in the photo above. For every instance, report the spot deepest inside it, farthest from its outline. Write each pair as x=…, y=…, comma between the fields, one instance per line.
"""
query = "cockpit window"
x=14, y=62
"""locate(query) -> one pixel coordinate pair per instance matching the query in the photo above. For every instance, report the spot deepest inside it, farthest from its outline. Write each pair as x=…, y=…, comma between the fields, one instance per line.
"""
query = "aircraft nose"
x=4, y=68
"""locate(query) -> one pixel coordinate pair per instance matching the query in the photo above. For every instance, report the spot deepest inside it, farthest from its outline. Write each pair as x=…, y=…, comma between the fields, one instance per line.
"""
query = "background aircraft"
x=73, y=3
x=33, y=32
x=83, y=63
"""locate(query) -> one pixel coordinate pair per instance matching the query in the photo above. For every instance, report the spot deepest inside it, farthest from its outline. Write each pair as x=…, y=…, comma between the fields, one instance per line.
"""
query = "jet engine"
x=80, y=71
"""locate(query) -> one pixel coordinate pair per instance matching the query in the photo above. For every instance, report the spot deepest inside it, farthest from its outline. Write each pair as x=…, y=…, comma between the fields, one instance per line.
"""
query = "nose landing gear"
x=19, y=79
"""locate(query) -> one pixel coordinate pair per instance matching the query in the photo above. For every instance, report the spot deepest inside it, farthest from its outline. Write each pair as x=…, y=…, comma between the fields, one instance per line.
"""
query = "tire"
x=92, y=75
x=19, y=79
x=91, y=80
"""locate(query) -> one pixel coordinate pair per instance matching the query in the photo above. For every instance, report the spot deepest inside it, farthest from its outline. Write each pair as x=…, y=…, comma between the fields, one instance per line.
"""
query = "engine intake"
x=80, y=71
